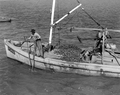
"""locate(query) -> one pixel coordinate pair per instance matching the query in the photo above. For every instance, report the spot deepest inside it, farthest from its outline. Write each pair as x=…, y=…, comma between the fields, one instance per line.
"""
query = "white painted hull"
x=62, y=66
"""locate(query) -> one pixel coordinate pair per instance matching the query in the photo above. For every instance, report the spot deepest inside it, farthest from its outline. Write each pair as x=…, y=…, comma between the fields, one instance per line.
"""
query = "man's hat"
x=32, y=30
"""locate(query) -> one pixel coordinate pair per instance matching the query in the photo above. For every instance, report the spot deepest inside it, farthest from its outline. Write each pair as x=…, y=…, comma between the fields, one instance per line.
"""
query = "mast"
x=52, y=21
x=103, y=46
x=52, y=18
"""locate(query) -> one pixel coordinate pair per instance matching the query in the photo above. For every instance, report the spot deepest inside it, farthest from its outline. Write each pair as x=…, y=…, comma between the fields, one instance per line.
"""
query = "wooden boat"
x=105, y=65
x=5, y=20
x=53, y=62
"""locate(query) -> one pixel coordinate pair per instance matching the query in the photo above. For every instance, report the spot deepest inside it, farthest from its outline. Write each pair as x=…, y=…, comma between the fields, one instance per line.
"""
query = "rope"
x=114, y=57
x=29, y=54
x=91, y=17
x=35, y=47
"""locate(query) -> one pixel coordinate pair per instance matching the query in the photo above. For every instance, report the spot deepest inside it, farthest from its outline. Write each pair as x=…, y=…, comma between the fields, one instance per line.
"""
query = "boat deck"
x=107, y=60
x=52, y=55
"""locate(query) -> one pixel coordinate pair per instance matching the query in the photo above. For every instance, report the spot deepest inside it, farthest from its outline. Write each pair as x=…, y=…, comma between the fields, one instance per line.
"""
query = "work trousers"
x=38, y=48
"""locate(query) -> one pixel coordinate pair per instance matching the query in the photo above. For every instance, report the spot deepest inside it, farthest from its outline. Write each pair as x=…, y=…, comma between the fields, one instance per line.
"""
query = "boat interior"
x=111, y=57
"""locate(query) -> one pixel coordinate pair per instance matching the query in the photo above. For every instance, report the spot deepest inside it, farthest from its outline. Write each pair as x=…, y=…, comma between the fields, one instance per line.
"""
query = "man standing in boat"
x=98, y=39
x=99, y=42
x=107, y=35
x=36, y=38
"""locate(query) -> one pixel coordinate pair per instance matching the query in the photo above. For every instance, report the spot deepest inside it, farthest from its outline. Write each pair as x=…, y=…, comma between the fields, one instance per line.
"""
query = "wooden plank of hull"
x=60, y=65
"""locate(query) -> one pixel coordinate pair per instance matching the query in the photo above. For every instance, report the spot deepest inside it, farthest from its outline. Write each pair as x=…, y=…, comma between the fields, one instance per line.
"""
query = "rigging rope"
x=59, y=28
x=91, y=17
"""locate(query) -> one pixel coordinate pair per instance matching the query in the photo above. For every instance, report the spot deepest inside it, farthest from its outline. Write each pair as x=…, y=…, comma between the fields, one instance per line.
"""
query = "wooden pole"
x=67, y=14
x=52, y=20
x=103, y=48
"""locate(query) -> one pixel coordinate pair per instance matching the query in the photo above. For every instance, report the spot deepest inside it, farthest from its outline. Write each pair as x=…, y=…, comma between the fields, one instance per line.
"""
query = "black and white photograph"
x=59, y=47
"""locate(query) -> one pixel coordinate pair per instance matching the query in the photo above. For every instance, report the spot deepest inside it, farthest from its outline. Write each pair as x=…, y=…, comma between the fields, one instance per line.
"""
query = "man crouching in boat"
x=86, y=55
x=36, y=38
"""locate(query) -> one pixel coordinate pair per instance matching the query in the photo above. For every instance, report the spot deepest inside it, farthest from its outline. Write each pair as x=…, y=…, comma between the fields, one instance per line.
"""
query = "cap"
x=32, y=30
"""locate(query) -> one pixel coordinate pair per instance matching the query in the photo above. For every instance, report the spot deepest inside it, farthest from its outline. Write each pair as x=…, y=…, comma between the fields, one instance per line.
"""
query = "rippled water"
x=17, y=79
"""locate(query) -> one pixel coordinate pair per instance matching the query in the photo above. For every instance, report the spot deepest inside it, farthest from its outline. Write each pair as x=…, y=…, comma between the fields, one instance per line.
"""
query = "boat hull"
x=3, y=21
x=58, y=65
